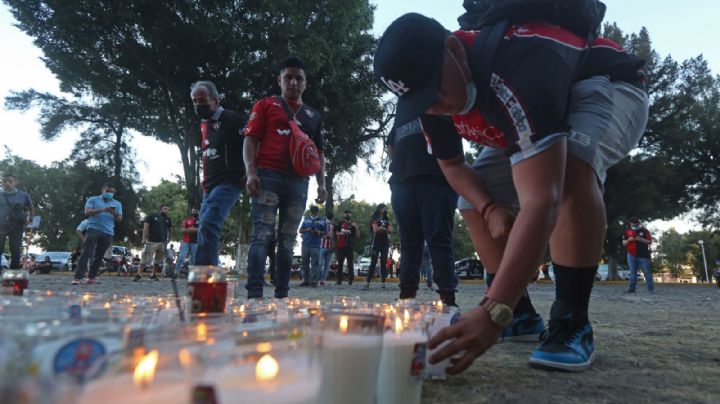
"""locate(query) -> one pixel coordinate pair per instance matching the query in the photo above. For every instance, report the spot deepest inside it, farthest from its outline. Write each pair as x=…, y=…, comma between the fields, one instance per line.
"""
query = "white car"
x=362, y=266
x=4, y=262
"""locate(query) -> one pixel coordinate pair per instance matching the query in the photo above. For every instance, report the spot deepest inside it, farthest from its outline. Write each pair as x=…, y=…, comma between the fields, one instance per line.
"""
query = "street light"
x=702, y=246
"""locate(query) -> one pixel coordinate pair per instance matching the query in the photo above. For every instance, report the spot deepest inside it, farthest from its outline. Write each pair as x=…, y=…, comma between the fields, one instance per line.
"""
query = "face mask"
x=470, y=89
x=204, y=111
x=347, y=217
x=635, y=227
x=195, y=215
x=108, y=195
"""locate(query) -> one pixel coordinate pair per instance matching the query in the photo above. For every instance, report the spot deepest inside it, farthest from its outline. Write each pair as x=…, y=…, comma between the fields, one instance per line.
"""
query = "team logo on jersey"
x=283, y=132
x=309, y=113
x=216, y=125
x=397, y=87
x=253, y=116
x=207, y=142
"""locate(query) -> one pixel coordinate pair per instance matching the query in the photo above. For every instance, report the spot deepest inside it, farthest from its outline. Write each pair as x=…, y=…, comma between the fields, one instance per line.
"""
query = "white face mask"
x=470, y=88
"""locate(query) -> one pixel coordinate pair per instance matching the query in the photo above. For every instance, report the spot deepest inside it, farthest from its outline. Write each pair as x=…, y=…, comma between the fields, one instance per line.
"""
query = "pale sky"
x=680, y=29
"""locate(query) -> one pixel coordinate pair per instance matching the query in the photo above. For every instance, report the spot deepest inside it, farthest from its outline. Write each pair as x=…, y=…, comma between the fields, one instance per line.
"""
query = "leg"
x=340, y=255
x=408, y=214
x=373, y=263
x=104, y=241
x=350, y=264
x=383, y=262
x=88, y=252
x=438, y=213
x=315, y=266
x=184, y=250
x=15, y=238
x=632, y=262
x=193, y=253
x=305, y=265
x=647, y=273
x=291, y=210
x=215, y=208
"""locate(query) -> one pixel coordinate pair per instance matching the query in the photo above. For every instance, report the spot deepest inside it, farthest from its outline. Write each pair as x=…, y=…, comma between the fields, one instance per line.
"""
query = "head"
x=426, y=67
x=108, y=190
x=164, y=209
x=635, y=223
x=330, y=215
x=205, y=98
x=9, y=182
x=195, y=212
x=291, y=78
x=47, y=259
x=347, y=215
x=314, y=210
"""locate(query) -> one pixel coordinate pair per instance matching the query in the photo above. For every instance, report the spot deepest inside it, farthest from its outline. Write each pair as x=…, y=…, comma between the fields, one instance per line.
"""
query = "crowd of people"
x=553, y=111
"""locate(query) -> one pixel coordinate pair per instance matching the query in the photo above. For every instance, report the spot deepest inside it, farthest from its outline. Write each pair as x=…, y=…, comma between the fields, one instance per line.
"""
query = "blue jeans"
x=311, y=264
x=216, y=206
x=425, y=209
x=325, y=261
x=16, y=238
x=283, y=195
x=644, y=263
x=93, y=248
x=185, y=249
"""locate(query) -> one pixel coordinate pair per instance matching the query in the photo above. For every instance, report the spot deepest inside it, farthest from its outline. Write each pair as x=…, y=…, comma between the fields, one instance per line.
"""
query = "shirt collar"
x=217, y=113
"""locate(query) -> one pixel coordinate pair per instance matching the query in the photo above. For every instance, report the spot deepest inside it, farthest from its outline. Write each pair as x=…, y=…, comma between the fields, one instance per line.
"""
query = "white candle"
x=350, y=365
x=121, y=390
x=402, y=367
x=441, y=319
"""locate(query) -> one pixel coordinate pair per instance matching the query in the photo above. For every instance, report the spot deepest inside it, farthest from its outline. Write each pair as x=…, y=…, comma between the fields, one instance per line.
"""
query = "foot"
x=383, y=285
x=524, y=328
x=304, y=284
x=569, y=345
x=75, y=282
x=338, y=283
x=630, y=291
x=92, y=281
x=154, y=278
x=366, y=286
x=137, y=277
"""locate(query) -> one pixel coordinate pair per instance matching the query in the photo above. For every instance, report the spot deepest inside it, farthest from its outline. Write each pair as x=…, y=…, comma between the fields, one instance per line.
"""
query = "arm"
x=250, y=148
x=80, y=235
x=646, y=241
x=146, y=232
x=30, y=210
x=320, y=178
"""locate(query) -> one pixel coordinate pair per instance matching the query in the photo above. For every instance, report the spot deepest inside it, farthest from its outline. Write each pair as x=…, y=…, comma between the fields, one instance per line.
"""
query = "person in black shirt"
x=381, y=227
x=346, y=232
x=223, y=167
x=156, y=233
x=424, y=204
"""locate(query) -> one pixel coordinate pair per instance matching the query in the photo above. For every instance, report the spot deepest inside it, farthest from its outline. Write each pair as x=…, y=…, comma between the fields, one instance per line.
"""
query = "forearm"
x=320, y=177
x=465, y=181
x=250, y=146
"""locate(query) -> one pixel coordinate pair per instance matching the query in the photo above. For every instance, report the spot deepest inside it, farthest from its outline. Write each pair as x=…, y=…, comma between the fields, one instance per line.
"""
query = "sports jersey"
x=269, y=124
x=222, y=149
x=345, y=240
x=636, y=248
x=190, y=237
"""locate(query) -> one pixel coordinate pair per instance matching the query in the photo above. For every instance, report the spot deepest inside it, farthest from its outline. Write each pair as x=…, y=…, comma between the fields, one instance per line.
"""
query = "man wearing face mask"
x=346, y=232
x=223, y=168
x=189, y=241
x=103, y=211
x=637, y=240
x=156, y=233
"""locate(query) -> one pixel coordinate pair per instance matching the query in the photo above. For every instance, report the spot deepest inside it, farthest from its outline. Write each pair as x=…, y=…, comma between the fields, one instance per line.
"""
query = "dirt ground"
x=651, y=348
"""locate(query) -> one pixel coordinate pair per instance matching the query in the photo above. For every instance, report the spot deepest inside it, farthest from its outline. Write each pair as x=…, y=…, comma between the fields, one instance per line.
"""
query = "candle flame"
x=106, y=305
x=264, y=347
x=185, y=357
x=145, y=370
x=344, y=324
x=440, y=305
x=267, y=368
x=201, y=332
x=398, y=325
x=406, y=316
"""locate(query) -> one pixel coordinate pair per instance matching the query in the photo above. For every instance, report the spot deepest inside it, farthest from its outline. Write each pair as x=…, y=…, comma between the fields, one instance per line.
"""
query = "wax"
x=350, y=366
x=402, y=368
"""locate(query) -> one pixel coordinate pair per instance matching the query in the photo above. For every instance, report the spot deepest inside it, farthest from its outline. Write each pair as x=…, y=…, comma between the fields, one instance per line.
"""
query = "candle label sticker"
x=455, y=318
x=203, y=394
x=74, y=312
x=417, y=367
x=83, y=359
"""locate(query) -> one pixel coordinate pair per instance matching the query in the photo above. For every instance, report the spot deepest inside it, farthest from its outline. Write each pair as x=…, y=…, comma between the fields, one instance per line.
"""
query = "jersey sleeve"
x=625, y=235
x=256, y=122
x=90, y=203
x=443, y=141
x=118, y=208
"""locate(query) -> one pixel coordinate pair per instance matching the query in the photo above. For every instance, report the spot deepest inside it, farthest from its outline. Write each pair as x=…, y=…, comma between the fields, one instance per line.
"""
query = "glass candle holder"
x=207, y=288
x=14, y=282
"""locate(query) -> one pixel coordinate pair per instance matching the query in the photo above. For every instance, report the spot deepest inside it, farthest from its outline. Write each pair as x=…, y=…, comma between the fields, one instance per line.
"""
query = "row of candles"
x=208, y=347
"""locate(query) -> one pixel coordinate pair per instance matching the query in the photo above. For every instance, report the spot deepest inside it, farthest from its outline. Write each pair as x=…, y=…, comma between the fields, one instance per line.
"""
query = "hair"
x=291, y=61
x=634, y=220
x=109, y=184
x=8, y=175
x=162, y=205
x=347, y=211
x=208, y=85
x=378, y=212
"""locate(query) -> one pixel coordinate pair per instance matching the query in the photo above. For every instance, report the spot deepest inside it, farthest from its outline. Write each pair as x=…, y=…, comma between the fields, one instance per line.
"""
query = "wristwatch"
x=500, y=314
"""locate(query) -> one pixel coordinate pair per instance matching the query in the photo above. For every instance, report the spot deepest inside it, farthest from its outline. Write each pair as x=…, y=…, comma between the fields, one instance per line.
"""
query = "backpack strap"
x=286, y=107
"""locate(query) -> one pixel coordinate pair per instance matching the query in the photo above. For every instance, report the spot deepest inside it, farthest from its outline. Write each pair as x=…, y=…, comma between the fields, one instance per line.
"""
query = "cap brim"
x=412, y=106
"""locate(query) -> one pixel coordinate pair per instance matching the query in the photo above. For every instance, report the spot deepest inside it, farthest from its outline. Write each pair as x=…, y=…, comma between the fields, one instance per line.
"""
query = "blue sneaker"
x=524, y=328
x=569, y=345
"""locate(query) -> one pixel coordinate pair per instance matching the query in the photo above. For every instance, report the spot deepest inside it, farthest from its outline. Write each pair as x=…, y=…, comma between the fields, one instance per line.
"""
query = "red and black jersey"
x=638, y=249
x=345, y=240
x=608, y=58
x=269, y=124
x=188, y=224
x=222, y=149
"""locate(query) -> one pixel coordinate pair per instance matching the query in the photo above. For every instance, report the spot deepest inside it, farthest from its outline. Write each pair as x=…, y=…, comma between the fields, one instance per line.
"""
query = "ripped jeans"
x=283, y=195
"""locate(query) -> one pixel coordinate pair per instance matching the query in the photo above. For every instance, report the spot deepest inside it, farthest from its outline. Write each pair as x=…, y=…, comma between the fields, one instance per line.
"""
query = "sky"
x=680, y=30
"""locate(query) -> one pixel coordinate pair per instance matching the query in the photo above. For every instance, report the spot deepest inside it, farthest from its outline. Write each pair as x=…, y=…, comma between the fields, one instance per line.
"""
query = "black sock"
x=489, y=279
x=524, y=305
x=448, y=298
x=574, y=284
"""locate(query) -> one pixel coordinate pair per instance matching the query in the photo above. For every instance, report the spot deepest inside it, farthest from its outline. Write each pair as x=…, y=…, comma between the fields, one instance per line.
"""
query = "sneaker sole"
x=569, y=367
x=521, y=338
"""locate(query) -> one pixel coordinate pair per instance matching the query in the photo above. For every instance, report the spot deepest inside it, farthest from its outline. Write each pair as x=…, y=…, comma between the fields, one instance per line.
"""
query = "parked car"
x=362, y=266
x=469, y=268
x=603, y=271
x=4, y=262
x=295, y=267
x=60, y=259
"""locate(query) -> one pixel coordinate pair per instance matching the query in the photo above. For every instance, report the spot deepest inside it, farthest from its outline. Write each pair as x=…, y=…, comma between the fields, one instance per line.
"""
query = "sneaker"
x=91, y=281
x=630, y=291
x=524, y=328
x=137, y=277
x=154, y=278
x=304, y=284
x=366, y=286
x=569, y=345
x=322, y=283
x=383, y=285
x=75, y=282
x=338, y=283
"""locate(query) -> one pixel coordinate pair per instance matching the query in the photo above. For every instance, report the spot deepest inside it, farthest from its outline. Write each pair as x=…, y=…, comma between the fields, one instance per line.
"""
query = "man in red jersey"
x=276, y=190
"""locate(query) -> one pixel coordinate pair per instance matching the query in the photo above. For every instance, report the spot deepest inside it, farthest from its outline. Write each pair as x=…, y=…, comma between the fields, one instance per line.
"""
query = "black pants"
x=15, y=235
x=382, y=252
x=94, y=247
x=425, y=208
x=341, y=255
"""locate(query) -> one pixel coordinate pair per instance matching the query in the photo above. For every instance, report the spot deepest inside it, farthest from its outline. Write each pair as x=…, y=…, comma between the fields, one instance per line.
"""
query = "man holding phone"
x=637, y=240
x=103, y=211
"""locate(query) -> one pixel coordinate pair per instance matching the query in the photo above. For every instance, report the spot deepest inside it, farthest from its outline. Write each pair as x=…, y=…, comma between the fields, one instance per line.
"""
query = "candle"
x=402, y=363
x=443, y=317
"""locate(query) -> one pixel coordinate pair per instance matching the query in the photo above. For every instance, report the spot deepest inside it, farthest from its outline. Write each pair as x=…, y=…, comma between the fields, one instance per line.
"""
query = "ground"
x=651, y=348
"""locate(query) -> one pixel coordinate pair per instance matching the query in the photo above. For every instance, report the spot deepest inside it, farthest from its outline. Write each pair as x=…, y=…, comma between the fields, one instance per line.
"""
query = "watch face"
x=503, y=316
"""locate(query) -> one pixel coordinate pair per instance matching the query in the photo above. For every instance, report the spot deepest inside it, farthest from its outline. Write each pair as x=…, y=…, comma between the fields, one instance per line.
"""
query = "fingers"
x=459, y=365
x=444, y=334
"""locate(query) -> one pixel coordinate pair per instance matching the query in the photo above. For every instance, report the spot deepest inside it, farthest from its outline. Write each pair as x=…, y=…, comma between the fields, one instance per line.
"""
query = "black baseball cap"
x=409, y=60
x=314, y=208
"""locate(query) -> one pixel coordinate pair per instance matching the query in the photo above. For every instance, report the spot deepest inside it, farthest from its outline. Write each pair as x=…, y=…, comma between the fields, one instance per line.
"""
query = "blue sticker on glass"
x=75, y=312
x=455, y=319
x=83, y=359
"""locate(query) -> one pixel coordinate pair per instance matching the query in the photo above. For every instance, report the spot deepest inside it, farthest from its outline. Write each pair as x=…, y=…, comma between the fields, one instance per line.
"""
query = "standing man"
x=223, y=168
x=424, y=205
x=103, y=211
x=271, y=181
x=189, y=241
x=346, y=232
x=156, y=233
x=16, y=211
x=312, y=229
x=381, y=228
x=327, y=246
x=637, y=240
